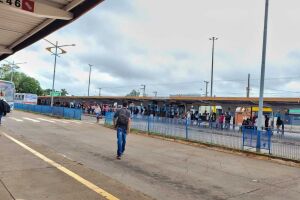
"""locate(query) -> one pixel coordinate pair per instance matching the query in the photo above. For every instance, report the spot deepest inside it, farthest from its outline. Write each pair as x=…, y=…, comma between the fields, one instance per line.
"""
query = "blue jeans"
x=121, y=135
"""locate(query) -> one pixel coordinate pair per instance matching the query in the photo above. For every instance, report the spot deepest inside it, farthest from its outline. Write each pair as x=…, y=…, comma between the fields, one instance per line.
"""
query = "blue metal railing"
x=235, y=137
x=68, y=113
x=254, y=138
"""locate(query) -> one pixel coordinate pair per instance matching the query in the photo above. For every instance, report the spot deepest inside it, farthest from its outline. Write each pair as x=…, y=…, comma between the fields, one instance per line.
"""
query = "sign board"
x=26, y=5
x=256, y=109
x=294, y=111
x=55, y=94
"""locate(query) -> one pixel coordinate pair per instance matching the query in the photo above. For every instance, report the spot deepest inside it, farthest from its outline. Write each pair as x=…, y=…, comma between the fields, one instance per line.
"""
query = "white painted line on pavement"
x=76, y=122
x=78, y=178
x=90, y=123
x=46, y=120
x=18, y=120
x=29, y=119
x=60, y=120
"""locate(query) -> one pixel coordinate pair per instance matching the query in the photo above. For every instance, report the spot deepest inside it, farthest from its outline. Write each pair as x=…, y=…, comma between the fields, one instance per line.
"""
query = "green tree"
x=5, y=69
x=46, y=92
x=24, y=83
x=133, y=93
x=64, y=92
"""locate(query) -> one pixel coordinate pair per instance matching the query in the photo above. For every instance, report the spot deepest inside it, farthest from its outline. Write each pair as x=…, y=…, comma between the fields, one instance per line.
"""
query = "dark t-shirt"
x=279, y=122
x=127, y=113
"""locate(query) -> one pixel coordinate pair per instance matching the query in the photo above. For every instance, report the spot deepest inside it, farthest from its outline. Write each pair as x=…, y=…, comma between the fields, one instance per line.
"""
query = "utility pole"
x=248, y=87
x=56, y=54
x=99, y=91
x=144, y=90
x=212, y=68
x=89, y=79
x=13, y=66
x=263, y=66
x=206, y=91
x=212, y=64
x=155, y=93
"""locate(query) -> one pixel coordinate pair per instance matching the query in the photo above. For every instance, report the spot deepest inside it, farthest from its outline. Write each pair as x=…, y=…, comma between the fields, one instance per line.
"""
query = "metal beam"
x=69, y=7
x=39, y=9
x=4, y=50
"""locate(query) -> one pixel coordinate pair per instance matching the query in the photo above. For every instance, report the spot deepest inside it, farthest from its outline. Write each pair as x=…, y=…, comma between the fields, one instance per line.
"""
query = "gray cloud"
x=137, y=42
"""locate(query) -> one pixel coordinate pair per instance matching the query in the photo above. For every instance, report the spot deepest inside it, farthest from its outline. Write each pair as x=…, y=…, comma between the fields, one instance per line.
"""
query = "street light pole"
x=212, y=64
x=89, y=79
x=56, y=54
x=248, y=86
x=144, y=90
x=13, y=66
x=54, y=71
x=206, y=87
x=212, y=68
x=263, y=66
x=99, y=91
x=155, y=93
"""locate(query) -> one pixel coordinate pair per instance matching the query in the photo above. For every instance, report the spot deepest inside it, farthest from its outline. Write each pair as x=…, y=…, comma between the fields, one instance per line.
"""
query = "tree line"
x=26, y=84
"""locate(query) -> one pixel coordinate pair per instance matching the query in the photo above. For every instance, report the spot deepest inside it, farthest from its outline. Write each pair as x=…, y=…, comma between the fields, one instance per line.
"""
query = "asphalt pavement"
x=150, y=169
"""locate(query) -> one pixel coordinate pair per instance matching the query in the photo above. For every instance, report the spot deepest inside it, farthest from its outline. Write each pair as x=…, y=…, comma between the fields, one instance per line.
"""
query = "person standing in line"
x=221, y=121
x=98, y=112
x=278, y=124
x=122, y=123
x=267, y=122
x=227, y=121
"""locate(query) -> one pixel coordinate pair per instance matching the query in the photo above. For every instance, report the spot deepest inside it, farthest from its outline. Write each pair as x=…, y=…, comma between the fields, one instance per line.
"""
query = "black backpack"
x=123, y=119
x=6, y=107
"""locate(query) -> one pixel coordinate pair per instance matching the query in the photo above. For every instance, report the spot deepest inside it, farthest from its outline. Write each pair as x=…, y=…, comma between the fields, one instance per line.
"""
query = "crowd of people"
x=268, y=125
x=221, y=121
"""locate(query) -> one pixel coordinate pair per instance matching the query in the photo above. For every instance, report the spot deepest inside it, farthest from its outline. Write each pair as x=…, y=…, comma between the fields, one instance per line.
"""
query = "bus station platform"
x=27, y=177
x=50, y=158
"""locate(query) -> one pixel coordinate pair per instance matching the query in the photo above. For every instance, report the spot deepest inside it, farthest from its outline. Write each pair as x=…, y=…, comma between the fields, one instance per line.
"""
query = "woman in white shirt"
x=98, y=112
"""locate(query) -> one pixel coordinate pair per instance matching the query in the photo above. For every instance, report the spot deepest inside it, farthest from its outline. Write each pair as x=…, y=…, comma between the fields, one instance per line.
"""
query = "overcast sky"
x=165, y=45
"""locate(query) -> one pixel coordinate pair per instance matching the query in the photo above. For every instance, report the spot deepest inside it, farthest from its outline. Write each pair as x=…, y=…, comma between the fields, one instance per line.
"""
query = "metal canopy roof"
x=23, y=22
x=228, y=101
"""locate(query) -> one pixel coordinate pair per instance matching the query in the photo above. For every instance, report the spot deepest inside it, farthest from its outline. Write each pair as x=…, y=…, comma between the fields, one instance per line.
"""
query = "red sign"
x=28, y=5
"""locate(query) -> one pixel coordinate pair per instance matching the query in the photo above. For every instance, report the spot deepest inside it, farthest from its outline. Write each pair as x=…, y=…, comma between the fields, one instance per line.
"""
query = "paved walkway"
x=157, y=168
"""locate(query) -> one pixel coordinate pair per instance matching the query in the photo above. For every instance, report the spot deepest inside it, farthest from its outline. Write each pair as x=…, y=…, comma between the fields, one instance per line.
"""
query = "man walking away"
x=122, y=123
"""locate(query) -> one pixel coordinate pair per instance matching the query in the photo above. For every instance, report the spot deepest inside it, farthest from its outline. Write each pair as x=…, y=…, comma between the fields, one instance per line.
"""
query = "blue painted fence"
x=69, y=113
x=254, y=138
x=232, y=137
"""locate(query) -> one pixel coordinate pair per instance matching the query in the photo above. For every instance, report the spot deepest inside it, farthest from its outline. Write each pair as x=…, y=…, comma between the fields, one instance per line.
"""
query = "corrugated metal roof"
x=20, y=27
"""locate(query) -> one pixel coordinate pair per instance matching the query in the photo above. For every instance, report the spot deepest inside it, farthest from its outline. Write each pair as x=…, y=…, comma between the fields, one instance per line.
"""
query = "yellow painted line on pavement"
x=83, y=181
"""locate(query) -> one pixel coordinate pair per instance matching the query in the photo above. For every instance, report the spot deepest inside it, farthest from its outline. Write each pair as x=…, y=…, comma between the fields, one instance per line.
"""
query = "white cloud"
x=148, y=42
